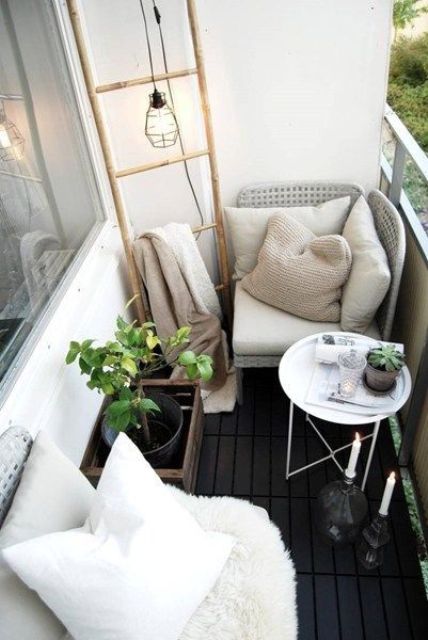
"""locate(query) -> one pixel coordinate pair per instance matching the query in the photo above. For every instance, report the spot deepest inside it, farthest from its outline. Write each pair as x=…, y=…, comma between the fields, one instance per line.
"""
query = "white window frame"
x=104, y=232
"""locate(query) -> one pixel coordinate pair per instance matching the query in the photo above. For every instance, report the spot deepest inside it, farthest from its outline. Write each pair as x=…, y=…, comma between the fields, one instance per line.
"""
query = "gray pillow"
x=53, y=495
x=299, y=272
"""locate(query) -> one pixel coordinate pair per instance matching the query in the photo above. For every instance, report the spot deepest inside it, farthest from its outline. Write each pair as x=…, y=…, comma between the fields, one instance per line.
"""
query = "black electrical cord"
x=149, y=46
x=171, y=97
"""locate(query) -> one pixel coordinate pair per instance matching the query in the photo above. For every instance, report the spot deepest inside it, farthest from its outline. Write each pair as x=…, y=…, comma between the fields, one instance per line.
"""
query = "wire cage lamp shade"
x=11, y=141
x=161, y=123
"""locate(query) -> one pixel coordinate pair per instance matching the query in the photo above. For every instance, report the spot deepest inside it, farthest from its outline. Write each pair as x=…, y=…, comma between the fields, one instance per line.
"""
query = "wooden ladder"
x=115, y=175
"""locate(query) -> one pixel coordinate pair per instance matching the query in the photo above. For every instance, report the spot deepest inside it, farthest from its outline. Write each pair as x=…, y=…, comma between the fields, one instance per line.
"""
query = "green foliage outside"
x=408, y=85
x=405, y=12
x=408, y=96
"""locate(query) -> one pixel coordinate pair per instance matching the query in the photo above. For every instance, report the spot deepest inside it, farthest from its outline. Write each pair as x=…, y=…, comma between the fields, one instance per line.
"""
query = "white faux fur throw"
x=255, y=596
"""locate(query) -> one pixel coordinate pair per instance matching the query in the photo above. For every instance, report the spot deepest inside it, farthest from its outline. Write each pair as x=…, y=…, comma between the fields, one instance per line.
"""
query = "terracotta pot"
x=380, y=380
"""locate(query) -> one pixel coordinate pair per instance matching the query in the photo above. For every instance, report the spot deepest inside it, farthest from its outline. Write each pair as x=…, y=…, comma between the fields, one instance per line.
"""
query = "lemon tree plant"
x=120, y=367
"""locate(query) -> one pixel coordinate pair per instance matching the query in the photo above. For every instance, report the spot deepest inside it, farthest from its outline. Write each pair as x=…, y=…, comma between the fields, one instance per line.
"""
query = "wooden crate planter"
x=184, y=468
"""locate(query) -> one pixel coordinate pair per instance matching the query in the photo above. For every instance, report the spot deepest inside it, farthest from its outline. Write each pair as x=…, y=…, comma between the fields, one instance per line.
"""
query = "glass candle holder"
x=341, y=511
x=351, y=366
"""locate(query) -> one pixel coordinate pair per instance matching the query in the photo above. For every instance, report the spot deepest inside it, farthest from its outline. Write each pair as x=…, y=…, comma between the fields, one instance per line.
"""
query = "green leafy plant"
x=120, y=367
x=386, y=358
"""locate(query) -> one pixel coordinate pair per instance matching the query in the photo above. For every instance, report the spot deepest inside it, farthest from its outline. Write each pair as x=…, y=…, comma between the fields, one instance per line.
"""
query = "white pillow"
x=53, y=495
x=248, y=227
x=370, y=276
x=139, y=567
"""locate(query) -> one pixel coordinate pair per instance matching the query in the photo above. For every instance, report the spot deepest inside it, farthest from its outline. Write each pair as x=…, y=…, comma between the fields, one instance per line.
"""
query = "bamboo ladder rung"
x=161, y=163
x=135, y=82
x=204, y=227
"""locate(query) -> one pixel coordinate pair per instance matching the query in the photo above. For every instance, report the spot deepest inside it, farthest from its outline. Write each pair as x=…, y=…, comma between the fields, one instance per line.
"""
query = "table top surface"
x=295, y=374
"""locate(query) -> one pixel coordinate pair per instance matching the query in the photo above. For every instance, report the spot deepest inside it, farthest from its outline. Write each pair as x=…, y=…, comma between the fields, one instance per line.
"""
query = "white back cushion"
x=370, y=277
x=248, y=227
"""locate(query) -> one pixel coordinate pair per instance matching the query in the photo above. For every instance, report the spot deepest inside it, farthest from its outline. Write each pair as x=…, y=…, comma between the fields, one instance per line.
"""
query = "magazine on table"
x=324, y=389
x=330, y=346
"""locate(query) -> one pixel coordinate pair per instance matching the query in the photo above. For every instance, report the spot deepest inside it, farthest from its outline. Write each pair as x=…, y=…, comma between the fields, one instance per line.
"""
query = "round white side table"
x=295, y=374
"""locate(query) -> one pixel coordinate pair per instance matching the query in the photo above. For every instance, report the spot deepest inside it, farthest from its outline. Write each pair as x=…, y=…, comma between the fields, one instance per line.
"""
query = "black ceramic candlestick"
x=375, y=537
x=341, y=512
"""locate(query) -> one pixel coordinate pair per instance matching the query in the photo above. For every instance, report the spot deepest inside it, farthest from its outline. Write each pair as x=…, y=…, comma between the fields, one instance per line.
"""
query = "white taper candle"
x=353, y=458
x=387, y=494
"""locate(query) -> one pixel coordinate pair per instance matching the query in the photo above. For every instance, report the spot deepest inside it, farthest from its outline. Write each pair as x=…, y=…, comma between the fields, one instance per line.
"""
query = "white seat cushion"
x=262, y=330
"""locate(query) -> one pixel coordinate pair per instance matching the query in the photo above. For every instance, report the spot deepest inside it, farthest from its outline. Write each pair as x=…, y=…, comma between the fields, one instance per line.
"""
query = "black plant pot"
x=170, y=418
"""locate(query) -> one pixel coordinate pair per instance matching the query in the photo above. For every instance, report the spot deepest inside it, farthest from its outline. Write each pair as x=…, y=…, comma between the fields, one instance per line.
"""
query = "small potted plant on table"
x=384, y=364
x=119, y=369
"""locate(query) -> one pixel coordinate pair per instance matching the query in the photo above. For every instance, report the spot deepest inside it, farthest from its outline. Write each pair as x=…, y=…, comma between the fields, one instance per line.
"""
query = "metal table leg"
x=290, y=436
x=371, y=452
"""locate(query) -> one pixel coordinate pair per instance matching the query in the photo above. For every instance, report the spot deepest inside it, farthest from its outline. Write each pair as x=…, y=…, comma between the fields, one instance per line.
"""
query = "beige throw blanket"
x=179, y=237
x=173, y=306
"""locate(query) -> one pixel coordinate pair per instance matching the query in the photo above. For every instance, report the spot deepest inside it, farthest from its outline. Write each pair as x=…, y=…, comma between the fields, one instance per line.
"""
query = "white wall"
x=297, y=89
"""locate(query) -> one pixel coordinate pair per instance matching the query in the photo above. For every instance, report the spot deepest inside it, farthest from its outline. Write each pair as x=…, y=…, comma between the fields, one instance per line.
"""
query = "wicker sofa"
x=261, y=333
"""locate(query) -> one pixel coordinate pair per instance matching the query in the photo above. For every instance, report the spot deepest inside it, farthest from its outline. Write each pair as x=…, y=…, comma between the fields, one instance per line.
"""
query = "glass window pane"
x=49, y=201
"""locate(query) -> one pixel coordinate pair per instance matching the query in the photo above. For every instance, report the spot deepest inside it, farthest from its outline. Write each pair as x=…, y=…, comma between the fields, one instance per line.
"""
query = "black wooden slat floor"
x=243, y=455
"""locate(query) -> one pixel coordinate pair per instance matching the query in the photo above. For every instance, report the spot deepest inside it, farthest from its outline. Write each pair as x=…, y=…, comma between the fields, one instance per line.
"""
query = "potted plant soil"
x=384, y=364
x=119, y=369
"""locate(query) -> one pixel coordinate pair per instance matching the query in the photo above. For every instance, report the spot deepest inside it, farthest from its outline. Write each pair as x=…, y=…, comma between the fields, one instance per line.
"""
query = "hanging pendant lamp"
x=11, y=141
x=161, y=124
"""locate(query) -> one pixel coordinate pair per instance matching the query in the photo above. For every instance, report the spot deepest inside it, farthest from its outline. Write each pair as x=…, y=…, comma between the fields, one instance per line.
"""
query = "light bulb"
x=161, y=124
x=5, y=142
x=11, y=141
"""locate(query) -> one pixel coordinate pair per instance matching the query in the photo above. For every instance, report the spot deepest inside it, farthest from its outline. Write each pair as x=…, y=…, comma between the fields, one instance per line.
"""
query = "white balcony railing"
x=404, y=166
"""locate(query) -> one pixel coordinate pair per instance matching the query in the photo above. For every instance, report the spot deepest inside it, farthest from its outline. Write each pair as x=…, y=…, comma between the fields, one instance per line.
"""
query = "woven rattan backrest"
x=390, y=230
x=15, y=445
x=295, y=194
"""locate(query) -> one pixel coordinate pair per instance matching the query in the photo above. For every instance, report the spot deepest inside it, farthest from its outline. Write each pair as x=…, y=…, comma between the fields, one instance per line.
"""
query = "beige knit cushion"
x=300, y=272
x=247, y=227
